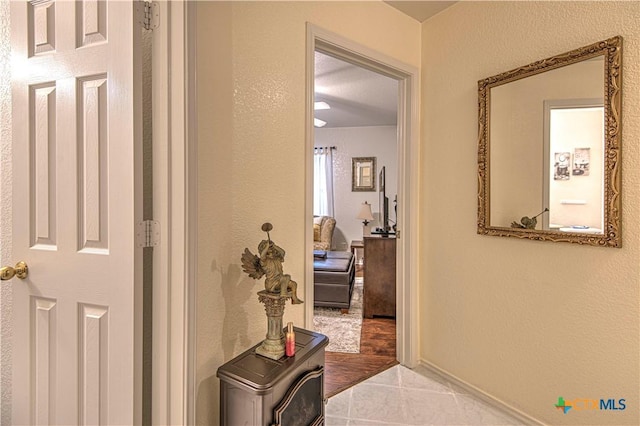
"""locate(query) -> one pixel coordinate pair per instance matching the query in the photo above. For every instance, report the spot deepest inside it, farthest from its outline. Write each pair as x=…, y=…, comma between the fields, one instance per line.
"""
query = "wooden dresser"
x=379, y=297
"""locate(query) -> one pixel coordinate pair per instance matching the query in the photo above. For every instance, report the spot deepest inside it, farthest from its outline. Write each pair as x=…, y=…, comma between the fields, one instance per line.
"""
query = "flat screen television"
x=384, y=228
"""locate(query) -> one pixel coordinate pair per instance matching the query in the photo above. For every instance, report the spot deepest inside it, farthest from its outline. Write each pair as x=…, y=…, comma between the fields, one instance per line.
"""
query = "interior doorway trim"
x=407, y=76
x=175, y=208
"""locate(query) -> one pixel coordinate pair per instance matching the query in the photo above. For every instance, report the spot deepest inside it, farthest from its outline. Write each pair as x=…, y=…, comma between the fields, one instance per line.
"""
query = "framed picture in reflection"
x=561, y=164
x=581, y=161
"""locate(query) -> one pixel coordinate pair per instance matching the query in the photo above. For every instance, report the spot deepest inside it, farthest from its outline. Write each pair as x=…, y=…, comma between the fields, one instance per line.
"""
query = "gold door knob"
x=21, y=271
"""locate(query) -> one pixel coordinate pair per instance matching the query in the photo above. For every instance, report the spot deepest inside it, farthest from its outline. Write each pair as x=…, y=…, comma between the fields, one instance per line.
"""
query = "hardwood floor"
x=377, y=353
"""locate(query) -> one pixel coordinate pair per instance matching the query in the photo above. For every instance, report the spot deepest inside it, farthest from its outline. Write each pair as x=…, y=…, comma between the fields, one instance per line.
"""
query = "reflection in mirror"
x=548, y=152
x=520, y=129
x=363, y=174
x=573, y=185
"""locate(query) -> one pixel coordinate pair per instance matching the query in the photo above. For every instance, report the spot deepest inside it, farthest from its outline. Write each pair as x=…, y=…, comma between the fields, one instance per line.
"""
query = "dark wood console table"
x=255, y=390
x=379, y=297
x=355, y=246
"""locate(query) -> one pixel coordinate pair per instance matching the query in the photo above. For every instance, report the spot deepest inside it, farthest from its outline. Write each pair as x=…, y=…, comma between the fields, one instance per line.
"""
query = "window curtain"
x=323, y=182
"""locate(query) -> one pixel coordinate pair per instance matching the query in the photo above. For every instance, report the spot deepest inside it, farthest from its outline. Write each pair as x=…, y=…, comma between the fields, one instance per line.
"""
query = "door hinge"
x=148, y=14
x=398, y=234
x=148, y=234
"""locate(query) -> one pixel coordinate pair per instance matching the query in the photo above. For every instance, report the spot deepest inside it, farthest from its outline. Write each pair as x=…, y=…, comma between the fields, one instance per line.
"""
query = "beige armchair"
x=323, y=227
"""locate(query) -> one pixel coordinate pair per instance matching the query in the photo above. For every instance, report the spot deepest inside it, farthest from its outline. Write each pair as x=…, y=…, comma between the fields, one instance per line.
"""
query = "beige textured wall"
x=251, y=154
x=524, y=321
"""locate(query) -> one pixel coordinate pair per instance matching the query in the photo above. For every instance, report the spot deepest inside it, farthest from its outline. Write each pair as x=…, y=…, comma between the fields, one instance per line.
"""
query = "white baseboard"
x=482, y=395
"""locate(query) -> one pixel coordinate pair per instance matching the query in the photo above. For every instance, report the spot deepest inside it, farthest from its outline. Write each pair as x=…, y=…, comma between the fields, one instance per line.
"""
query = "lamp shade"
x=365, y=213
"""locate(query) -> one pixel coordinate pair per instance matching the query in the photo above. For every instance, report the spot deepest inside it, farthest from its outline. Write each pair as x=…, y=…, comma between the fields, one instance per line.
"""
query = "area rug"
x=343, y=330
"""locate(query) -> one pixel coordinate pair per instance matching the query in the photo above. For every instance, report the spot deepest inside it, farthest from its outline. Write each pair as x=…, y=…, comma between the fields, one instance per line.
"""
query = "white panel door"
x=76, y=84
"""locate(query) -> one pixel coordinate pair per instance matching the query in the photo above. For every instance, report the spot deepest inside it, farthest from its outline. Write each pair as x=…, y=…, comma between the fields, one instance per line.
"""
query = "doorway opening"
x=355, y=182
x=573, y=187
x=404, y=212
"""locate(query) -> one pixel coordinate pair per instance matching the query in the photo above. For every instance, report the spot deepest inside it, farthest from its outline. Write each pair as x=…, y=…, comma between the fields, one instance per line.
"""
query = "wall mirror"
x=363, y=175
x=549, y=148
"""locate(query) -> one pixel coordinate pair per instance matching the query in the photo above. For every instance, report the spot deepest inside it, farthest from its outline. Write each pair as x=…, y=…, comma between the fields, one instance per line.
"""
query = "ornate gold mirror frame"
x=363, y=174
x=611, y=49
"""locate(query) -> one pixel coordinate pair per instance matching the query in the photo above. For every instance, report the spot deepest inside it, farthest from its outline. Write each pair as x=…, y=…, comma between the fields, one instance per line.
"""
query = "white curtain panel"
x=323, y=182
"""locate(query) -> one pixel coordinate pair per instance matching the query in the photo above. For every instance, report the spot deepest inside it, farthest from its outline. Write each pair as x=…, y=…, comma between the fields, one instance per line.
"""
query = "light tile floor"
x=400, y=396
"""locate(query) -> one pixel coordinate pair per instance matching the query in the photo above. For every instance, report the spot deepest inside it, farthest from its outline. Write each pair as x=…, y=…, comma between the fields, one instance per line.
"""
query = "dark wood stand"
x=355, y=246
x=255, y=390
x=379, y=297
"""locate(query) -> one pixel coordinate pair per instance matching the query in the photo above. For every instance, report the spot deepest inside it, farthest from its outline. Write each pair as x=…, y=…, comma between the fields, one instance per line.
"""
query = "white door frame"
x=175, y=208
x=408, y=78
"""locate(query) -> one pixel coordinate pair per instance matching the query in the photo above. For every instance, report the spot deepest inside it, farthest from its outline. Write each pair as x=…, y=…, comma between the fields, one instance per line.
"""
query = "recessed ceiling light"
x=321, y=105
x=318, y=123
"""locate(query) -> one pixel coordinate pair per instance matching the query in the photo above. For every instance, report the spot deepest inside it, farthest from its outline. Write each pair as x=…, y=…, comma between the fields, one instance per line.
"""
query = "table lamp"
x=366, y=216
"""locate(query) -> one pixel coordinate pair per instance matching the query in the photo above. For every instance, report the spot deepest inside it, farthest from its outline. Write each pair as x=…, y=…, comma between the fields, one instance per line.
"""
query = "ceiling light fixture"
x=318, y=123
x=321, y=105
